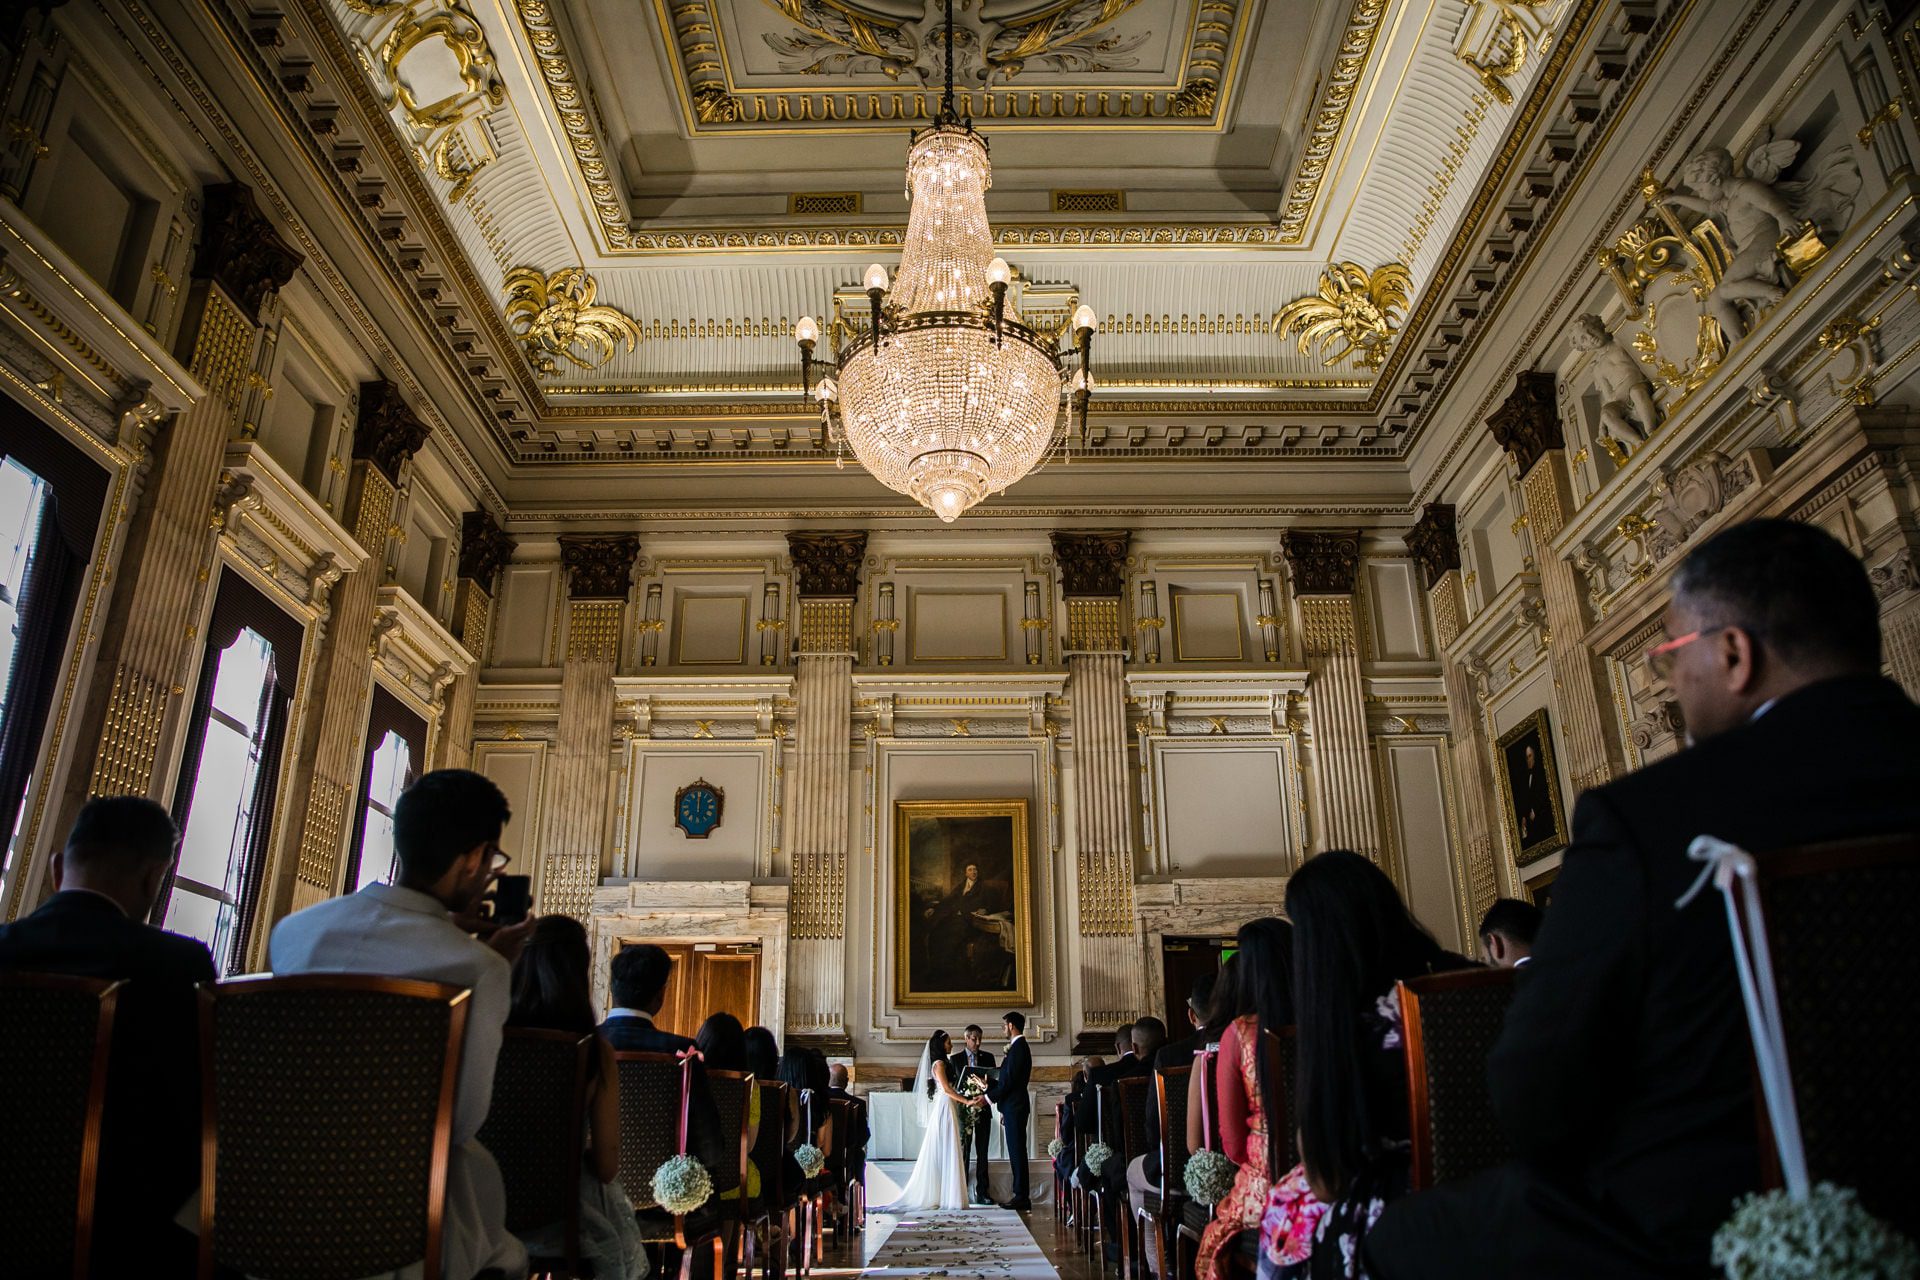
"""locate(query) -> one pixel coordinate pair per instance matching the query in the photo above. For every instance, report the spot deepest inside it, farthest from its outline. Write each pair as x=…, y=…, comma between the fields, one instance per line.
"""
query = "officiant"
x=972, y=1060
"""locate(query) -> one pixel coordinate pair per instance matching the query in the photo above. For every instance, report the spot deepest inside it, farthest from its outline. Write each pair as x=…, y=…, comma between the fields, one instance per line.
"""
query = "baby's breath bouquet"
x=1097, y=1156
x=810, y=1158
x=1210, y=1176
x=1828, y=1236
x=1055, y=1147
x=682, y=1185
x=971, y=1086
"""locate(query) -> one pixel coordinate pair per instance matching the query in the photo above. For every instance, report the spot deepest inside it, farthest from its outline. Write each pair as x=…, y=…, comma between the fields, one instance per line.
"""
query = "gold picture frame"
x=1542, y=828
x=962, y=944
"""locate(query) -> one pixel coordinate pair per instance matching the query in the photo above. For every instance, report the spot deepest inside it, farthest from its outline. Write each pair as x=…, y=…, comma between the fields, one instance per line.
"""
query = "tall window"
x=23, y=501
x=205, y=900
x=387, y=778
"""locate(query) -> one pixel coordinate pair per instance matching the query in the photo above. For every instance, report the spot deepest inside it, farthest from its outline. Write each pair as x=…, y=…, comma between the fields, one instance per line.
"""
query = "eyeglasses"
x=1660, y=658
x=497, y=860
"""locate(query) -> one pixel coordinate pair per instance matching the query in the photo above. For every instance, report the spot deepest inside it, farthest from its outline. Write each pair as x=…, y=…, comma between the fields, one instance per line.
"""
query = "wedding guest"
x=105, y=883
x=722, y=1043
x=1143, y=1172
x=1623, y=1074
x=1507, y=932
x=446, y=833
x=638, y=984
x=1353, y=942
x=1264, y=952
x=551, y=990
x=1221, y=1011
x=804, y=1072
x=763, y=1059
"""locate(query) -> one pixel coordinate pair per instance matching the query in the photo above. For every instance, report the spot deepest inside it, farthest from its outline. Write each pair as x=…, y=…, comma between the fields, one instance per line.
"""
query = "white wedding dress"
x=939, y=1178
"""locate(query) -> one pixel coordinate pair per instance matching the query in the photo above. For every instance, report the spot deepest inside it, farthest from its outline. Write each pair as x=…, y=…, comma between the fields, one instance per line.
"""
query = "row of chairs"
x=1452, y=1021
x=327, y=1116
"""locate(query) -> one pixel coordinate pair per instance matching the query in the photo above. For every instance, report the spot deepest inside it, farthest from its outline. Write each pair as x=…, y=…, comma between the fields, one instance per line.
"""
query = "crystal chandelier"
x=945, y=394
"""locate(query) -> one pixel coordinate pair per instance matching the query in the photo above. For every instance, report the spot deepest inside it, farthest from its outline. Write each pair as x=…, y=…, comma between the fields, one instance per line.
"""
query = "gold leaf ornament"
x=556, y=318
x=1355, y=313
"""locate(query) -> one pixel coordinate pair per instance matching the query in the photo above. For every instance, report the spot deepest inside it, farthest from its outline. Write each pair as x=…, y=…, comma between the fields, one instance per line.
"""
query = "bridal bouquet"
x=971, y=1087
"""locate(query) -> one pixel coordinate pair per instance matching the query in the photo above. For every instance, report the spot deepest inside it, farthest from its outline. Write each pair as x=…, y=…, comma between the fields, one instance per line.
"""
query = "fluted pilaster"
x=1324, y=565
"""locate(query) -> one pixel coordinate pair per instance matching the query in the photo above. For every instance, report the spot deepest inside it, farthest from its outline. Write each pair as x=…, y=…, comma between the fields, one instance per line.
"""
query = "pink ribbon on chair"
x=1209, y=1052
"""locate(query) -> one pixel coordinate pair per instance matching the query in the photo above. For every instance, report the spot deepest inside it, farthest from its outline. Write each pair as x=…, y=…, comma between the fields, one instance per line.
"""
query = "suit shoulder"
x=187, y=956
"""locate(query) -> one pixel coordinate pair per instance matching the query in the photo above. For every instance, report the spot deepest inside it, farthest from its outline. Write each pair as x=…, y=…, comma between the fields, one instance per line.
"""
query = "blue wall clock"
x=696, y=808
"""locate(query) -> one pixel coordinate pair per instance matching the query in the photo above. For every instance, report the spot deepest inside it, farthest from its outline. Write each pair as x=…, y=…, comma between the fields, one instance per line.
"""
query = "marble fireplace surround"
x=694, y=911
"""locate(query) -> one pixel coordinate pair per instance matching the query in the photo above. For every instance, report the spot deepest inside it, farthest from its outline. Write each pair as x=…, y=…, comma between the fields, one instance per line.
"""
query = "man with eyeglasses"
x=1623, y=1074
x=446, y=837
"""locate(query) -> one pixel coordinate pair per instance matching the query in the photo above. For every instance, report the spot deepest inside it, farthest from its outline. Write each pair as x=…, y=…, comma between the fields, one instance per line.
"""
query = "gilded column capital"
x=1527, y=423
x=239, y=249
x=599, y=567
x=826, y=564
x=388, y=431
x=1324, y=562
x=1434, y=542
x=484, y=548
x=1093, y=562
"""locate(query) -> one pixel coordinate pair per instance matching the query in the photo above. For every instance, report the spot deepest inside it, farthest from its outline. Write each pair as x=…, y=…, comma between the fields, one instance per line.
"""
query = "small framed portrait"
x=963, y=921
x=1530, y=789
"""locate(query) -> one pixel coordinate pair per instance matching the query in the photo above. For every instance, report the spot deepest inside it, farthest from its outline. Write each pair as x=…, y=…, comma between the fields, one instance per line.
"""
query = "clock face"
x=696, y=809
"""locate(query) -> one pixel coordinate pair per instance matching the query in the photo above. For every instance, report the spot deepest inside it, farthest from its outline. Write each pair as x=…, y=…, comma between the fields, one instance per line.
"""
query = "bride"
x=939, y=1178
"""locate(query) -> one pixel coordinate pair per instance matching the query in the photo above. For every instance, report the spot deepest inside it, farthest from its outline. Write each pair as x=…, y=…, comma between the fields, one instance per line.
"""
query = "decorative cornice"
x=484, y=548
x=826, y=564
x=1324, y=562
x=599, y=566
x=388, y=431
x=239, y=249
x=1330, y=117
x=1527, y=423
x=1434, y=542
x=1093, y=562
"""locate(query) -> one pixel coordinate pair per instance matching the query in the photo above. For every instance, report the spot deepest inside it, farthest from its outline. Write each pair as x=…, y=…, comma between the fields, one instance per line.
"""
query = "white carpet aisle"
x=993, y=1244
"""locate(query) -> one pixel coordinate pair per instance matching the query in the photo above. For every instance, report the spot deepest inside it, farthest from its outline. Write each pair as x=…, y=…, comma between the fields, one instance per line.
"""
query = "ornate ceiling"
x=1257, y=199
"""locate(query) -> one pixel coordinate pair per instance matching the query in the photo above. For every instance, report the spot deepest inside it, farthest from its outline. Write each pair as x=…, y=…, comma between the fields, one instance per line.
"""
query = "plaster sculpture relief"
x=908, y=40
x=1627, y=408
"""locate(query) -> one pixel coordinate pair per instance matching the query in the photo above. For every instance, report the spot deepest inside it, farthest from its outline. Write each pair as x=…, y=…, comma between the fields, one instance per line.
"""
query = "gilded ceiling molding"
x=1355, y=313
x=1330, y=117
x=570, y=106
x=555, y=315
x=1495, y=38
x=1044, y=235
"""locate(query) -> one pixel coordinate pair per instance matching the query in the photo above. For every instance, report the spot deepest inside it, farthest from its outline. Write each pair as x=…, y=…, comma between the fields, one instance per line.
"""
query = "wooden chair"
x=53, y=1069
x=815, y=1192
x=1282, y=1135
x=655, y=1103
x=1060, y=1205
x=843, y=1165
x=1159, y=1210
x=1834, y=914
x=309, y=1082
x=723, y=1240
x=1451, y=1022
x=536, y=1131
x=770, y=1216
x=1195, y=1216
x=1137, y=1137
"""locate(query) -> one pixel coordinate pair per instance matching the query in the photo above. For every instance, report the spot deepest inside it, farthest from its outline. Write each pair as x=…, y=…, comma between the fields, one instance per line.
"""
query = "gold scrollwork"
x=1354, y=313
x=555, y=315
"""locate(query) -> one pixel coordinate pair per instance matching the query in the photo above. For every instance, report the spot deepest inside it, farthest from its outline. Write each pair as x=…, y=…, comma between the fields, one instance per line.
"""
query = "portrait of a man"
x=1536, y=821
x=962, y=926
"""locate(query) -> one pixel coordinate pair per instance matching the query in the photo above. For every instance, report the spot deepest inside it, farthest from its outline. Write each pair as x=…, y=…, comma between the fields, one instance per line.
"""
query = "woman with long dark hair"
x=1353, y=941
x=725, y=1045
x=1221, y=1011
x=551, y=990
x=1263, y=1001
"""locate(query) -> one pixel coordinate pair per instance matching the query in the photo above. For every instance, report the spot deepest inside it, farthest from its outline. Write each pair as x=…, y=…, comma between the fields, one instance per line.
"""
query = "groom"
x=1008, y=1092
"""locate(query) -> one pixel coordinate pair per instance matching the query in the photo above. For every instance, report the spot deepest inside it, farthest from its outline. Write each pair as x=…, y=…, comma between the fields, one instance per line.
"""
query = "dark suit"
x=982, y=1134
x=1008, y=1092
x=639, y=1035
x=150, y=1139
x=1623, y=1073
x=1178, y=1054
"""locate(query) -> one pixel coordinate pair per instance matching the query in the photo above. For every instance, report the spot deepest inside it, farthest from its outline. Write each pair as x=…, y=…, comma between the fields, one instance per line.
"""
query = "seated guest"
x=1221, y=1011
x=804, y=1072
x=1623, y=1074
x=854, y=1143
x=1507, y=932
x=1353, y=941
x=106, y=880
x=1143, y=1171
x=763, y=1059
x=1126, y=1062
x=638, y=985
x=551, y=990
x=722, y=1043
x=446, y=832
x=1264, y=963
x=1149, y=1034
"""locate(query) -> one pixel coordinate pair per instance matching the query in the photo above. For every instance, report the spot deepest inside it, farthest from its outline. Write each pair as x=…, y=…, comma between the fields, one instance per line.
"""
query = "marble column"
x=333, y=737
x=826, y=570
x=1093, y=578
x=483, y=550
x=579, y=779
x=150, y=642
x=1435, y=546
x=1324, y=565
x=1527, y=426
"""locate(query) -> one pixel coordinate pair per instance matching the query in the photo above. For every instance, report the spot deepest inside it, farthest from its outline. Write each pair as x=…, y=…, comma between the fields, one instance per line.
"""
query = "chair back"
x=536, y=1127
x=1171, y=1084
x=770, y=1143
x=840, y=1111
x=53, y=1074
x=1283, y=1132
x=731, y=1091
x=308, y=1083
x=1205, y=1062
x=1451, y=1022
x=1833, y=915
x=1136, y=1136
x=653, y=1119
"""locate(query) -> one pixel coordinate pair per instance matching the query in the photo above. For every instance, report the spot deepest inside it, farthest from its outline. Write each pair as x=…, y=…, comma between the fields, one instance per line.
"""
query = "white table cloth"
x=895, y=1121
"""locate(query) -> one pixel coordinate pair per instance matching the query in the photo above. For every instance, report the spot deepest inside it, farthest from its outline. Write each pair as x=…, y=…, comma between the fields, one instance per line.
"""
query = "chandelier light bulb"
x=948, y=503
x=1081, y=382
x=876, y=278
x=827, y=391
x=998, y=272
x=1084, y=320
x=807, y=332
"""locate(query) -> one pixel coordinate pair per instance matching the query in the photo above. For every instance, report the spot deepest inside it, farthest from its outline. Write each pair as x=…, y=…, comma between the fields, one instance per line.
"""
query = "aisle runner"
x=990, y=1243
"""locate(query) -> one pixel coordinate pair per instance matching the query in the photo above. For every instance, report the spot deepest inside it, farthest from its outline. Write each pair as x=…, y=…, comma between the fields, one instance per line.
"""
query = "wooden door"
x=709, y=978
x=1181, y=961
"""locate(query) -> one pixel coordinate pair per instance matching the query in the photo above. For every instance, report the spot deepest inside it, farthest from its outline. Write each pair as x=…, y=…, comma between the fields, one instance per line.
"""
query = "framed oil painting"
x=1530, y=789
x=963, y=904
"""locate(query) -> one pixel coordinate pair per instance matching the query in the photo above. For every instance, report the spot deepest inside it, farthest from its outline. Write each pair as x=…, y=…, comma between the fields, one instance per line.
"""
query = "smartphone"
x=512, y=899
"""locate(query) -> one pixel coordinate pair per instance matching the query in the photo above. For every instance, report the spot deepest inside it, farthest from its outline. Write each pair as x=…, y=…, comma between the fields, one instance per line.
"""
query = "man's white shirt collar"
x=623, y=1012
